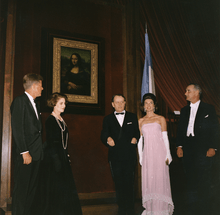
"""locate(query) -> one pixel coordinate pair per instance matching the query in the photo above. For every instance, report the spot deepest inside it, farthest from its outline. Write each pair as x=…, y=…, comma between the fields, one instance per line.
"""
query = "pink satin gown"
x=156, y=192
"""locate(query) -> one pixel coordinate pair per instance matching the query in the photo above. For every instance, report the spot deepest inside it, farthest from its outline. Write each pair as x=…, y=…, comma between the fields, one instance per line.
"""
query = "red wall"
x=89, y=156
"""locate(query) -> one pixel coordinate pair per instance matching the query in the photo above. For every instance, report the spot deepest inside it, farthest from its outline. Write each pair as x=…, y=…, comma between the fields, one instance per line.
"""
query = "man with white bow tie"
x=197, y=142
x=120, y=134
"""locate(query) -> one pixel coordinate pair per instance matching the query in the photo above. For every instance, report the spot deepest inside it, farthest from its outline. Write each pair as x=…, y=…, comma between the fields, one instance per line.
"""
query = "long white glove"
x=140, y=149
x=167, y=145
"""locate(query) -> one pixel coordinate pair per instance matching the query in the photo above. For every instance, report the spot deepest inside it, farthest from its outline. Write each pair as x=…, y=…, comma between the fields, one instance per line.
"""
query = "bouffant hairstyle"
x=149, y=96
x=53, y=99
x=31, y=78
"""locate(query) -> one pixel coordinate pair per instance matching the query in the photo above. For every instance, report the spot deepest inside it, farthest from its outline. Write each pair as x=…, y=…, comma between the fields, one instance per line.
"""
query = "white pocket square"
x=129, y=123
x=206, y=116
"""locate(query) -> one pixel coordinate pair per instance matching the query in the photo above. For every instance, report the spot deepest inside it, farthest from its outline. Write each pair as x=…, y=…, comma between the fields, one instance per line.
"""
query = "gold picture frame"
x=58, y=49
x=58, y=43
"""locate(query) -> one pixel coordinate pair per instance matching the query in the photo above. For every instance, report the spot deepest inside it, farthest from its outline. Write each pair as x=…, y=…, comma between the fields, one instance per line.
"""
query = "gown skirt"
x=156, y=192
x=58, y=190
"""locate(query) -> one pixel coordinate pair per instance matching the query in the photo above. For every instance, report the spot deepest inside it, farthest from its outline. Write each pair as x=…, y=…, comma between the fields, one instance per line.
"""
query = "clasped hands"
x=210, y=152
x=111, y=142
x=73, y=86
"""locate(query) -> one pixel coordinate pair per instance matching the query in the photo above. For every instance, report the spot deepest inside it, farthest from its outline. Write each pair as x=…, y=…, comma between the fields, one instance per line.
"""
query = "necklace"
x=60, y=118
x=62, y=130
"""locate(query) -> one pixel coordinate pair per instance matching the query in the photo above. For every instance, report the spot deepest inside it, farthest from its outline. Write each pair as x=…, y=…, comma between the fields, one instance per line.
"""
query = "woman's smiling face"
x=149, y=105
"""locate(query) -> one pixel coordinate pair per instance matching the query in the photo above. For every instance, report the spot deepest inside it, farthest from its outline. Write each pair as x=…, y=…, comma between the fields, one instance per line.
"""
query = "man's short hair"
x=197, y=87
x=31, y=78
x=113, y=97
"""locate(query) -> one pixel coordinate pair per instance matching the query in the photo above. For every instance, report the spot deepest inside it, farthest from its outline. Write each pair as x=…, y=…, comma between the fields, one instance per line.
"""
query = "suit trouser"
x=198, y=175
x=123, y=172
x=25, y=183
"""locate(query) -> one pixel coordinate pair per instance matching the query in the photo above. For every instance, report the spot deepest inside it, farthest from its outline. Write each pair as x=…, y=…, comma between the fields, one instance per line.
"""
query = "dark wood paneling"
x=89, y=156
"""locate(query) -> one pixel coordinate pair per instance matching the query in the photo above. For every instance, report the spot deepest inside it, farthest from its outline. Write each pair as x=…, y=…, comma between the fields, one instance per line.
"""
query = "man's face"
x=119, y=104
x=37, y=88
x=192, y=94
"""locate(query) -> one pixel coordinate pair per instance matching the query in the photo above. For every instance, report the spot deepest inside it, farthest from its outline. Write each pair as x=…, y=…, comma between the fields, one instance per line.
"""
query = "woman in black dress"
x=62, y=197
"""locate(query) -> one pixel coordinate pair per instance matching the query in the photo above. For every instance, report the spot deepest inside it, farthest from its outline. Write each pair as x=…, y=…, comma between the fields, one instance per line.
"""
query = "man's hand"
x=210, y=152
x=179, y=152
x=134, y=140
x=110, y=141
x=27, y=158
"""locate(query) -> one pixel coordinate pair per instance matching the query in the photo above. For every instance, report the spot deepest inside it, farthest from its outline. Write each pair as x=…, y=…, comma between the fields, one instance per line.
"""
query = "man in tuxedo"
x=120, y=133
x=197, y=141
x=27, y=148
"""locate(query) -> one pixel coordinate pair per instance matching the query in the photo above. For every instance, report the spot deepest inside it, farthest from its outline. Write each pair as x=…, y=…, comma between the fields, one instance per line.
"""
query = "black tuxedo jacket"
x=26, y=128
x=206, y=127
x=122, y=136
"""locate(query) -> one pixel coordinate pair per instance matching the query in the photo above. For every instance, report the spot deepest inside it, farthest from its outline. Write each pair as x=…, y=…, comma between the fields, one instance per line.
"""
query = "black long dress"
x=60, y=190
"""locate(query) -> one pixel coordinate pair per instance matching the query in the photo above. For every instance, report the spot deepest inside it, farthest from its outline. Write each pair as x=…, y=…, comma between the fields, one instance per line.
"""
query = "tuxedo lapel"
x=199, y=112
x=27, y=100
x=38, y=111
x=188, y=114
x=125, y=120
x=115, y=120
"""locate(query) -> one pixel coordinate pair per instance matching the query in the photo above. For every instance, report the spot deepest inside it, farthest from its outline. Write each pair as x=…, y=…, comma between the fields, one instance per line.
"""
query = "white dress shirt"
x=120, y=117
x=33, y=103
x=193, y=112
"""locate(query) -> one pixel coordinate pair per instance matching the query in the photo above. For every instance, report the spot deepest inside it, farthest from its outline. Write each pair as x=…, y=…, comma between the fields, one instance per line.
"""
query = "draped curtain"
x=184, y=41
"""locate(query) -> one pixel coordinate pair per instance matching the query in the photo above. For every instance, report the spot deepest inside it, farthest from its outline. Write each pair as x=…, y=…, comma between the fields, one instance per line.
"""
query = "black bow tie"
x=120, y=113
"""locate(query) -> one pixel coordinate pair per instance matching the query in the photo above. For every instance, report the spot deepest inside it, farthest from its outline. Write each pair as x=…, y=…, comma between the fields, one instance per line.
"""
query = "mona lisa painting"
x=74, y=65
x=75, y=68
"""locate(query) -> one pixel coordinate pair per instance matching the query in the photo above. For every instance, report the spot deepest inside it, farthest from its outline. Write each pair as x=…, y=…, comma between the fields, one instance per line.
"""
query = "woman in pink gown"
x=154, y=154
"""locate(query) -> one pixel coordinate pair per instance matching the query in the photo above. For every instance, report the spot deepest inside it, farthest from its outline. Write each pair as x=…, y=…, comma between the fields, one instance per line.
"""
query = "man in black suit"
x=197, y=141
x=120, y=133
x=28, y=151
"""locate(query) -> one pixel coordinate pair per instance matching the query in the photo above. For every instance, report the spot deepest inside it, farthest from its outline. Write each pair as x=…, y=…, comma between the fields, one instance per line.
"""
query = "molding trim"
x=8, y=97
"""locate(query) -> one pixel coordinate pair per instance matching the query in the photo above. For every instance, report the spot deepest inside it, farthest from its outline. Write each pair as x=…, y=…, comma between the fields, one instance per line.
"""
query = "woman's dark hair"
x=53, y=99
x=79, y=60
x=149, y=96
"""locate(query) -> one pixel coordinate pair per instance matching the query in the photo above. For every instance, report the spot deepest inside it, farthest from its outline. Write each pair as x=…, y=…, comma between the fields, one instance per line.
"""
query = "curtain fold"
x=184, y=40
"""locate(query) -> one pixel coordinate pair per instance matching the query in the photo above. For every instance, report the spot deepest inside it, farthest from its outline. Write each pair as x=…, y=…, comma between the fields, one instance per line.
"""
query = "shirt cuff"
x=24, y=152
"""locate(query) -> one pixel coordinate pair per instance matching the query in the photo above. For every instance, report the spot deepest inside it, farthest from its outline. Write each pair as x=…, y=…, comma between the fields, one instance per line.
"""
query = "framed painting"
x=73, y=64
